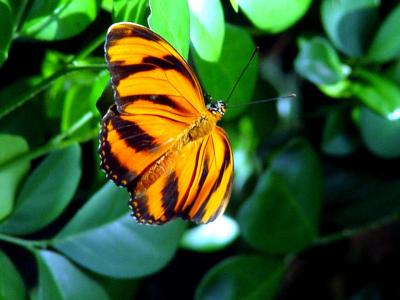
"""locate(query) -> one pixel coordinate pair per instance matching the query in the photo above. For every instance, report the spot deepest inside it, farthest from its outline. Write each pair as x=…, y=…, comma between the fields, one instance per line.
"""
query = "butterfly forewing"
x=151, y=141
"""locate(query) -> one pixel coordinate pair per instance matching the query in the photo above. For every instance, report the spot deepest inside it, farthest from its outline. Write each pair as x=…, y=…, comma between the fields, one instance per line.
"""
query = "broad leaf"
x=219, y=78
x=59, y=19
x=59, y=279
x=207, y=28
x=103, y=238
x=11, y=146
x=171, y=20
x=46, y=192
x=274, y=15
x=130, y=11
x=11, y=284
x=242, y=277
x=348, y=23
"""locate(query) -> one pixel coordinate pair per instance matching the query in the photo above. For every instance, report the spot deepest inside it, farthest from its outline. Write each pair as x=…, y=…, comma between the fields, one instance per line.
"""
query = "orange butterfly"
x=159, y=140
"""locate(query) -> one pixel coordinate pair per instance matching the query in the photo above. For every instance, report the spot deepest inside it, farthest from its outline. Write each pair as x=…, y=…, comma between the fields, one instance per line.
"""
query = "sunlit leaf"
x=10, y=177
x=207, y=28
x=103, y=238
x=130, y=11
x=59, y=279
x=48, y=190
x=274, y=15
x=242, y=277
x=58, y=20
x=171, y=20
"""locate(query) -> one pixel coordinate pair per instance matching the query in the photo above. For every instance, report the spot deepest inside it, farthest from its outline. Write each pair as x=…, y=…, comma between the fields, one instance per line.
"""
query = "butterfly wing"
x=156, y=96
x=197, y=186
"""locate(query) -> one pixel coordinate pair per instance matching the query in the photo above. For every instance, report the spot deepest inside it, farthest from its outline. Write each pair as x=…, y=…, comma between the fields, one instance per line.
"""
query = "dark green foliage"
x=309, y=170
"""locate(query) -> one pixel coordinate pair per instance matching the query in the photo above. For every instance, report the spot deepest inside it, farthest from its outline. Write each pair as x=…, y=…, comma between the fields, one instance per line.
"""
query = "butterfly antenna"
x=242, y=73
x=290, y=96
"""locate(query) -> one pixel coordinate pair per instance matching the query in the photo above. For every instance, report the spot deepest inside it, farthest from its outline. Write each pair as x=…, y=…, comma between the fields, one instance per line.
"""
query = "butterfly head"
x=217, y=108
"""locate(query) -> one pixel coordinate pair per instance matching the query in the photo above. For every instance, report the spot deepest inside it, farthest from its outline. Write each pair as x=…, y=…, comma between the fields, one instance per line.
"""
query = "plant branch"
x=28, y=244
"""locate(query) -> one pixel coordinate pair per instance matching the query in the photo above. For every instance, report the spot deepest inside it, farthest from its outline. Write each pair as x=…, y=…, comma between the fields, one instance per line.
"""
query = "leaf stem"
x=28, y=244
x=348, y=233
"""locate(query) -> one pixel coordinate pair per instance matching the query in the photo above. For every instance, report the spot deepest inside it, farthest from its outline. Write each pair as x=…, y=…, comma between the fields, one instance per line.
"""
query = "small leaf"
x=135, y=11
x=11, y=284
x=319, y=63
x=171, y=20
x=104, y=239
x=211, y=237
x=242, y=277
x=219, y=78
x=337, y=139
x=349, y=23
x=46, y=193
x=274, y=15
x=386, y=44
x=58, y=20
x=10, y=177
x=381, y=136
x=207, y=28
x=60, y=279
x=286, y=202
x=378, y=93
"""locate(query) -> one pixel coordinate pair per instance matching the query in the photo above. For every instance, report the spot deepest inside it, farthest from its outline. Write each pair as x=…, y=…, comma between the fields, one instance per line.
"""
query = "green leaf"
x=337, y=139
x=349, y=23
x=11, y=284
x=274, y=15
x=59, y=279
x=46, y=193
x=378, y=93
x=242, y=277
x=58, y=20
x=285, y=202
x=10, y=177
x=386, y=44
x=235, y=5
x=219, y=78
x=103, y=238
x=171, y=20
x=130, y=11
x=212, y=236
x=319, y=63
x=9, y=17
x=380, y=135
x=207, y=28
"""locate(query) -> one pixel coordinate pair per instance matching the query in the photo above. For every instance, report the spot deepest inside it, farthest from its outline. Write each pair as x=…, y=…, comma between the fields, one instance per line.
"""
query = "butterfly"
x=159, y=140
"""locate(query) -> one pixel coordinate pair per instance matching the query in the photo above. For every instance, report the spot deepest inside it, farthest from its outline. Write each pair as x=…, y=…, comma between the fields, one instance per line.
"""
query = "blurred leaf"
x=9, y=17
x=207, y=28
x=171, y=20
x=381, y=136
x=274, y=15
x=11, y=284
x=219, y=78
x=58, y=20
x=235, y=5
x=378, y=93
x=242, y=277
x=319, y=63
x=121, y=289
x=349, y=23
x=386, y=44
x=60, y=279
x=107, y=5
x=212, y=236
x=336, y=139
x=130, y=11
x=104, y=239
x=10, y=177
x=46, y=192
x=285, y=202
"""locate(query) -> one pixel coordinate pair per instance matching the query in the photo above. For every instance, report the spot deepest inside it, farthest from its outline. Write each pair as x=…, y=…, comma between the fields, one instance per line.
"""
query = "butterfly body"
x=159, y=140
